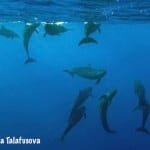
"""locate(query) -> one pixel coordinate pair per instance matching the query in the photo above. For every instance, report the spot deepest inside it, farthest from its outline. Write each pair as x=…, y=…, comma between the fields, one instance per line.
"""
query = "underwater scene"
x=75, y=75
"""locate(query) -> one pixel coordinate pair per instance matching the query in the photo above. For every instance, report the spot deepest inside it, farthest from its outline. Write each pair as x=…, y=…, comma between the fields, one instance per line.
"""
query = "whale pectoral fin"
x=136, y=108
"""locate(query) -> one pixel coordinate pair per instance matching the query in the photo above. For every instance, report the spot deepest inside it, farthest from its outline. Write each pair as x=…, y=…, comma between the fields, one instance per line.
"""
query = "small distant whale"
x=8, y=33
x=77, y=115
x=91, y=27
x=54, y=29
x=30, y=28
x=87, y=40
x=81, y=98
x=143, y=105
x=104, y=103
x=87, y=72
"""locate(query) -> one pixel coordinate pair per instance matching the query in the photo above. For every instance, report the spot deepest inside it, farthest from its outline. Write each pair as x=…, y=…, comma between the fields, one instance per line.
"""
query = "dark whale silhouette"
x=143, y=105
x=54, y=29
x=77, y=115
x=87, y=40
x=30, y=28
x=87, y=72
x=104, y=103
x=8, y=33
x=91, y=27
x=81, y=98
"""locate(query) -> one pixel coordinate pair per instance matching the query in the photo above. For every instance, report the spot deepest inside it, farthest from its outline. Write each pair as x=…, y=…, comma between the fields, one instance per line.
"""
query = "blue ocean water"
x=36, y=99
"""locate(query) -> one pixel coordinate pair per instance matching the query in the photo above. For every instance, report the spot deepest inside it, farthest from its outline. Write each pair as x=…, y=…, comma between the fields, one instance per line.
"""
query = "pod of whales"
x=104, y=103
x=78, y=110
x=29, y=29
x=87, y=72
x=143, y=105
x=8, y=33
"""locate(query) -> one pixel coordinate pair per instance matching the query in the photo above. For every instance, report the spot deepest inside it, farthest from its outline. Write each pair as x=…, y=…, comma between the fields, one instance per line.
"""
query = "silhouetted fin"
x=30, y=60
x=111, y=131
x=87, y=40
x=69, y=72
x=142, y=129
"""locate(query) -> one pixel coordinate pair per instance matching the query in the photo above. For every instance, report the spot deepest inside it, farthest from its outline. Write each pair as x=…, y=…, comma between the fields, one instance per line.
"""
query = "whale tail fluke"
x=111, y=131
x=142, y=129
x=69, y=72
x=87, y=40
x=30, y=60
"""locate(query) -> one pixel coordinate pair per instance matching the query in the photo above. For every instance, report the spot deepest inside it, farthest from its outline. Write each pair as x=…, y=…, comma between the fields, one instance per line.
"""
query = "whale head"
x=111, y=94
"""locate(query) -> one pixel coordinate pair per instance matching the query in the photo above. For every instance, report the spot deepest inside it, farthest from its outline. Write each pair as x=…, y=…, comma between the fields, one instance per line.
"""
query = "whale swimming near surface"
x=77, y=115
x=29, y=29
x=54, y=29
x=143, y=105
x=8, y=33
x=87, y=40
x=91, y=27
x=83, y=95
x=104, y=103
x=87, y=72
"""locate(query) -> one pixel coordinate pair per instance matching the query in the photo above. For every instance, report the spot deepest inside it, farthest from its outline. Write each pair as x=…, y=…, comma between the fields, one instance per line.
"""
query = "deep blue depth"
x=36, y=99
